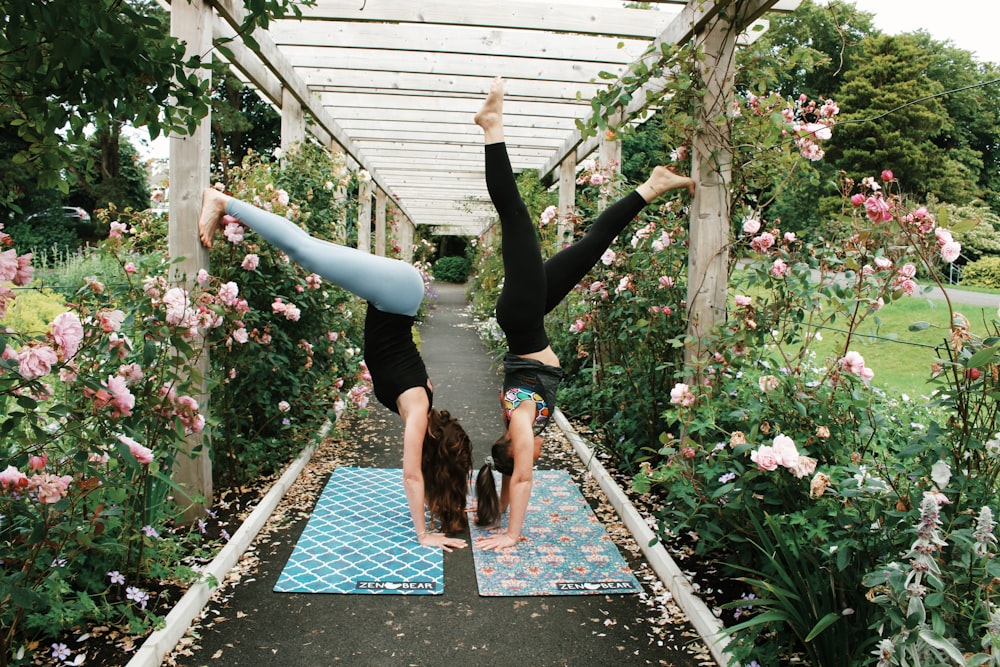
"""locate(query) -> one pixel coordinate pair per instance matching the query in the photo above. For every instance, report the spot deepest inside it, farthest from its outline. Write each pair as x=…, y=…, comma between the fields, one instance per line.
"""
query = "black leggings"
x=532, y=287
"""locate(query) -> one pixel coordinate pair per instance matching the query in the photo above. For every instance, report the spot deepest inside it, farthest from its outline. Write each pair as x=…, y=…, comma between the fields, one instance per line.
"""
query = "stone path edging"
x=163, y=641
x=702, y=619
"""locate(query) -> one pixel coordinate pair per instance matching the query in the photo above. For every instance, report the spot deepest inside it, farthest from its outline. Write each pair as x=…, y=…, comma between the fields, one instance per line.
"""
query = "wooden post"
x=405, y=229
x=610, y=151
x=708, y=256
x=293, y=121
x=191, y=22
x=365, y=215
x=380, y=222
x=567, y=198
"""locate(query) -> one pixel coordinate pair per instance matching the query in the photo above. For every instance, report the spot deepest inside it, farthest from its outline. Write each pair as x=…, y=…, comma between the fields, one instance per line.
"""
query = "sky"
x=969, y=24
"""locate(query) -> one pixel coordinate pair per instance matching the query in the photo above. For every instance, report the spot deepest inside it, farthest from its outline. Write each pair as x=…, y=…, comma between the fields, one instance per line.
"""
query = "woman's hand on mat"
x=498, y=542
x=443, y=541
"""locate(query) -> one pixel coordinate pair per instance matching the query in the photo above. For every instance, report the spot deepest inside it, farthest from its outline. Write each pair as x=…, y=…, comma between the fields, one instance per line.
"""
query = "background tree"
x=241, y=122
x=67, y=66
x=815, y=45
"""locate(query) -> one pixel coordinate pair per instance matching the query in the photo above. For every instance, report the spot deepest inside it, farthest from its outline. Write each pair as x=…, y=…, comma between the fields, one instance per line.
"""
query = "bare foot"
x=664, y=179
x=490, y=116
x=213, y=207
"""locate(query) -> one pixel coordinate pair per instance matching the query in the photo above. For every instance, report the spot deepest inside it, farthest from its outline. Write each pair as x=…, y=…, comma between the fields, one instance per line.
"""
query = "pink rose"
x=49, y=488
x=24, y=271
x=858, y=199
x=785, y=452
x=950, y=251
x=142, y=454
x=779, y=268
x=250, y=262
x=877, y=209
x=35, y=360
x=12, y=478
x=67, y=332
x=36, y=463
x=122, y=400
x=8, y=265
x=887, y=175
x=764, y=457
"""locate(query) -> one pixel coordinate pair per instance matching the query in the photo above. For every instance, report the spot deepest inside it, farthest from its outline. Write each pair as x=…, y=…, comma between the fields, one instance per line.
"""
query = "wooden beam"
x=406, y=39
x=578, y=19
x=234, y=14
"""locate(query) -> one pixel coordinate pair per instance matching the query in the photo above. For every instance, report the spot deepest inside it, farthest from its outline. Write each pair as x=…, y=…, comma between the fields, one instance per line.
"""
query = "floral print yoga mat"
x=359, y=540
x=567, y=550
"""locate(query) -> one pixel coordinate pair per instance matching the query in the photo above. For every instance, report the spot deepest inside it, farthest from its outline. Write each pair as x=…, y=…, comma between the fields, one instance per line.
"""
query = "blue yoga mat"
x=359, y=540
x=567, y=550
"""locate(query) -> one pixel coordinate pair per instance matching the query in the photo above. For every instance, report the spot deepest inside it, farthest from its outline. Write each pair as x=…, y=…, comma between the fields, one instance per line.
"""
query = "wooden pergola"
x=394, y=84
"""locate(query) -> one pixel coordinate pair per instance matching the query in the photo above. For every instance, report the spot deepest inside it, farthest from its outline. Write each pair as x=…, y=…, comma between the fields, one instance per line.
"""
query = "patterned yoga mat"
x=359, y=539
x=567, y=551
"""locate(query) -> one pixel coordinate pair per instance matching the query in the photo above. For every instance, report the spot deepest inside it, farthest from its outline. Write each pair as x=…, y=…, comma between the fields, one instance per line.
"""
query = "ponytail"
x=487, y=500
x=488, y=508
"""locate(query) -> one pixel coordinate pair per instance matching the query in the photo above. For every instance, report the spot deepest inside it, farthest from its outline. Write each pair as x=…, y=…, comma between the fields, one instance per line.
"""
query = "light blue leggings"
x=391, y=285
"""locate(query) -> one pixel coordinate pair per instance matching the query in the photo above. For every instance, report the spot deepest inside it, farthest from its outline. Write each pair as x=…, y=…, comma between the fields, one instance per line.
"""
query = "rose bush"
x=97, y=403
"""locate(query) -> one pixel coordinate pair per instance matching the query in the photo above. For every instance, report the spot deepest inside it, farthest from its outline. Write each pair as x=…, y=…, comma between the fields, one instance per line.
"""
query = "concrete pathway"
x=458, y=627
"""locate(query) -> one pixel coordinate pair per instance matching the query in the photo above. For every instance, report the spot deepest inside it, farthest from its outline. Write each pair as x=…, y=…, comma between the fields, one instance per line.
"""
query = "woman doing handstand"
x=437, y=453
x=531, y=289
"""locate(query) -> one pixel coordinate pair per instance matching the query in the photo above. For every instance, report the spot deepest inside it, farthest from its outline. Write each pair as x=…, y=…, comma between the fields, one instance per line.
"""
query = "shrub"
x=984, y=272
x=452, y=269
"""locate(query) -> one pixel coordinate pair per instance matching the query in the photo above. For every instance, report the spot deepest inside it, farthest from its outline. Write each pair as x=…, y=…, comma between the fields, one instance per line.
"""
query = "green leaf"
x=822, y=625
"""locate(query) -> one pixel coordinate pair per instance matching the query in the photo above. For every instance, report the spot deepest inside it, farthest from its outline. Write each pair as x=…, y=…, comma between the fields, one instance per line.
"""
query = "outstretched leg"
x=520, y=308
x=391, y=285
x=568, y=266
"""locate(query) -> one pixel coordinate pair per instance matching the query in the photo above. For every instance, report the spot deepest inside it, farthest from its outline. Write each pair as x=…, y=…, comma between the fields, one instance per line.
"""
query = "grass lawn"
x=902, y=358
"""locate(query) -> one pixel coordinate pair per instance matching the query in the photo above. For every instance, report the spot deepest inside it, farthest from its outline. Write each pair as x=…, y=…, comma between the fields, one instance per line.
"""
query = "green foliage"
x=242, y=124
x=72, y=65
x=33, y=309
x=109, y=173
x=977, y=228
x=95, y=408
x=283, y=371
x=50, y=236
x=983, y=272
x=452, y=269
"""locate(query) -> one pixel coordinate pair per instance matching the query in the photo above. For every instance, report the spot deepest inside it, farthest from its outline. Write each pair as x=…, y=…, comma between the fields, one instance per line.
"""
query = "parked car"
x=72, y=214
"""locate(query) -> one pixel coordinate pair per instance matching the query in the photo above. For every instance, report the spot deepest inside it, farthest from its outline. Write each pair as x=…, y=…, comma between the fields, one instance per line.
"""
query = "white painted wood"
x=457, y=39
x=397, y=82
x=567, y=197
x=380, y=222
x=293, y=121
x=708, y=239
x=189, y=162
x=487, y=13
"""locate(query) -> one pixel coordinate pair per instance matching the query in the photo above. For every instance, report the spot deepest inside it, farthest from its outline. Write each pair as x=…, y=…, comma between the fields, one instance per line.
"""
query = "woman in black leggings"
x=531, y=289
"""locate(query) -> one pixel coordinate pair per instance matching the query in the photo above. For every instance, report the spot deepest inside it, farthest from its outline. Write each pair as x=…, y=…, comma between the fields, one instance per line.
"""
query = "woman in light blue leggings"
x=437, y=452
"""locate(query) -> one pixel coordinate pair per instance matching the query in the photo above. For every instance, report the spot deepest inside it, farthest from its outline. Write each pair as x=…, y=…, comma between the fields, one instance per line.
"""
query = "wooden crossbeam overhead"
x=396, y=83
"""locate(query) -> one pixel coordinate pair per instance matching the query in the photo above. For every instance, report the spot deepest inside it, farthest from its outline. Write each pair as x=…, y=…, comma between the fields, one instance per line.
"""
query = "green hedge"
x=452, y=269
x=983, y=272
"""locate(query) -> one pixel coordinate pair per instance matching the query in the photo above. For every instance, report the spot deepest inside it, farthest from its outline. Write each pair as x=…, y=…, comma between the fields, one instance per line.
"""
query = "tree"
x=241, y=122
x=814, y=46
x=891, y=118
x=69, y=65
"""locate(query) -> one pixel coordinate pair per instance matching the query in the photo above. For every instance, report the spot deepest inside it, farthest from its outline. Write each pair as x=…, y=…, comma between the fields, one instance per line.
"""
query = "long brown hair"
x=445, y=463
x=487, y=499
